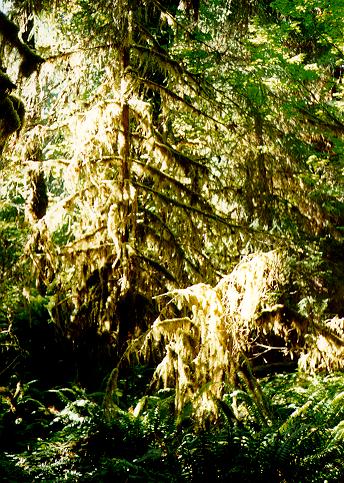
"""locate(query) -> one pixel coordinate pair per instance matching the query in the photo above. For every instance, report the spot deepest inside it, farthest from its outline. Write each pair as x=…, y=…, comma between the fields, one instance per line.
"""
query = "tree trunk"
x=126, y=212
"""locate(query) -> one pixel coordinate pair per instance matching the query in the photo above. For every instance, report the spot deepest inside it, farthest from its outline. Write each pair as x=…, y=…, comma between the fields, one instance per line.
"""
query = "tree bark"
x=126, y=213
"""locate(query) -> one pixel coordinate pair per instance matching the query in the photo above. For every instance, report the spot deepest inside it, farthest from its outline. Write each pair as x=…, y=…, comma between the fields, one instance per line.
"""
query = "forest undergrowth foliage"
x=73, y=440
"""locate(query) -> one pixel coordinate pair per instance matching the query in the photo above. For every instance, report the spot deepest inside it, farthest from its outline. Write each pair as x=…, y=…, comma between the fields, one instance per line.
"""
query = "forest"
x=172, y=241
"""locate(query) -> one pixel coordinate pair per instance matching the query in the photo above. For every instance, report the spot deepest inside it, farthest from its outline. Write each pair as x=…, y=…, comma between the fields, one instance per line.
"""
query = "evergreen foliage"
x=171, y=230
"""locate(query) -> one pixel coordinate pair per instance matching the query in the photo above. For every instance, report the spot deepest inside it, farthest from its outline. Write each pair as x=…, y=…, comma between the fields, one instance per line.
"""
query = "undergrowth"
x=65, y=435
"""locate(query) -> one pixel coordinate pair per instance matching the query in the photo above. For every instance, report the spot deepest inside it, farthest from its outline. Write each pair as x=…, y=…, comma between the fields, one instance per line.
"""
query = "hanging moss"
x=19, y=108
x=9, y=116
x=12, y=110
x=12, y=113
x=30, y=60
x=8, y=28
x=6, y=85
x=39, y=199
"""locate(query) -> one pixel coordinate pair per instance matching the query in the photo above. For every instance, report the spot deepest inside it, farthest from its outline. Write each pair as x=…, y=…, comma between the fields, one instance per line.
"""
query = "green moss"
x=31, y=60
x=5, y=83
x=9, y=116
x=19, y=107
x=9, y=29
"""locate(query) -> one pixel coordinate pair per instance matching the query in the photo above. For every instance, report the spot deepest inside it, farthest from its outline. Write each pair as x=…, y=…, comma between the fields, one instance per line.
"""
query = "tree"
x=173, y=143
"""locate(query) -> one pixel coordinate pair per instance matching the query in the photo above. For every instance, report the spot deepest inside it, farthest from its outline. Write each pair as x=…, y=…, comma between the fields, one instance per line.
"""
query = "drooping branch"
x=175, y=97
x=181, y=187
x=193, y=209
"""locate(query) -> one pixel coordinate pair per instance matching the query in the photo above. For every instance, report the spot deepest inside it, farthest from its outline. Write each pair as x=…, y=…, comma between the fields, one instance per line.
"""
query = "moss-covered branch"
x=10, y=32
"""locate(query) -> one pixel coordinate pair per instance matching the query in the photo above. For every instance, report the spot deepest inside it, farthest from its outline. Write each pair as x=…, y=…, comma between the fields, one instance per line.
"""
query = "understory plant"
x=302, y=441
